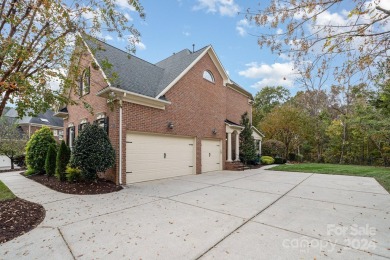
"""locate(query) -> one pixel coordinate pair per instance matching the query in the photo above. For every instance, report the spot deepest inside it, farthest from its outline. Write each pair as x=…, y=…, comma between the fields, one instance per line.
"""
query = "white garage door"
x=211, y=155
x=151, y=157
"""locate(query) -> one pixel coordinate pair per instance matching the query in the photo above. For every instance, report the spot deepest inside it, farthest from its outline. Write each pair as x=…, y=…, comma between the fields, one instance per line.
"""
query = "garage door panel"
x=150, y=157
x=211, y=155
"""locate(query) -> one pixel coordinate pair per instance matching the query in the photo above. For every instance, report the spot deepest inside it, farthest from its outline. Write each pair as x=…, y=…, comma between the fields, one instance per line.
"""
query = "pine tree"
x=62, y=160
x=50, y=162
x=247, y=146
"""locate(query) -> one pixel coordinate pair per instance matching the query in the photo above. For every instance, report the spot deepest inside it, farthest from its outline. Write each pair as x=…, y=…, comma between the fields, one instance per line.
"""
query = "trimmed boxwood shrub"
x=62, y=160
x=267, y=160
x=36, y=149
x=92, y=152
x=50, y=162
x=73, y=174
x=280, y=160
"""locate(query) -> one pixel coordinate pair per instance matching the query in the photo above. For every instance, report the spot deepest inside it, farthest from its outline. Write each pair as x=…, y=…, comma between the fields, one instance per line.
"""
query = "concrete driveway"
x=256, y=214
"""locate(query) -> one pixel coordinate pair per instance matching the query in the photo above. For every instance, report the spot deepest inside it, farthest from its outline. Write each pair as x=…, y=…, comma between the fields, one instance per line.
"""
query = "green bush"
x=280, y=160
x=92, y=152
x=292, y=157
x=29, y=172
x=62, y=160
x=36, y=149
x=267, y=160
x=73, y=174
x=50, y=162
x=20, y=160
x=273, y=148
x=299, y=157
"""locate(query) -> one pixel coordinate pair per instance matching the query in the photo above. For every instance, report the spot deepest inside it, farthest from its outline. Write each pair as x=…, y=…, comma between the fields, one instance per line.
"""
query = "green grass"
x=5, y=193
x=381, y=174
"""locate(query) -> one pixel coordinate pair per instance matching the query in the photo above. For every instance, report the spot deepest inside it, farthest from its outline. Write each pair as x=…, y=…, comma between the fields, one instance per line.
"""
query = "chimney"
x=193, y=47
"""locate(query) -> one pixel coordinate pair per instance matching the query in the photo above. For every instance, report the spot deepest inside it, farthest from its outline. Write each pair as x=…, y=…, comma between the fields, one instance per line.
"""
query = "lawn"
x=5, y=193
x=381, y=174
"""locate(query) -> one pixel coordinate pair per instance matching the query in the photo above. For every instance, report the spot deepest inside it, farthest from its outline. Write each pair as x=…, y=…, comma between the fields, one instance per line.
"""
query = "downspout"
x=120, y=142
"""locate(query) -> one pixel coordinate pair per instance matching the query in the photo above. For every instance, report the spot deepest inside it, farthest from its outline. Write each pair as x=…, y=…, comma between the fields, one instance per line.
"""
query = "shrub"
x=267, y=160
x=29, y=172
x=50, y=162
x=299, y=157
x=20, y=160
x=273, y=148
x=36, y=149
x=62, y=160
x=280, y=160
x=292, y=157
x=92, y=152
x=73, y=174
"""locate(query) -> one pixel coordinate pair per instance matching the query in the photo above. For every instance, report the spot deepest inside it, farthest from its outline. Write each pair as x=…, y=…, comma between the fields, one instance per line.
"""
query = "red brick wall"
x=78, y=112
x=236, y=105
x=197, y=106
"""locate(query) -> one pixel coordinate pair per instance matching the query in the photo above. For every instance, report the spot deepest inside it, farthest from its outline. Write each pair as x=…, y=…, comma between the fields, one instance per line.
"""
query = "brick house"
x=177, y=117
x=30, y=124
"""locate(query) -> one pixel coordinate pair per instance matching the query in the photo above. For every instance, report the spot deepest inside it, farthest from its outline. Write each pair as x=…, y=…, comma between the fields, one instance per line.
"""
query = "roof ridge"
x=186, y=49
x=127, y=53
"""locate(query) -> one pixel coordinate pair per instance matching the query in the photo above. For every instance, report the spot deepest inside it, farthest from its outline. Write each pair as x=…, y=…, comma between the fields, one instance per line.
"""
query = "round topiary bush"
x=62, y=160
x=267, y=160
x=36, y=149
x=92, y=152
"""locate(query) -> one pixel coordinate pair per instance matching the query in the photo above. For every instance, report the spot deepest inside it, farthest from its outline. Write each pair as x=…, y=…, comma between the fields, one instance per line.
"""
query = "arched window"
x=208, y=76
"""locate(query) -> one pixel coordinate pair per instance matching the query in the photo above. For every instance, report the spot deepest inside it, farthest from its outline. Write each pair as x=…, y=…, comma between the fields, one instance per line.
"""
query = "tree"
x=266, y=99
x=12, y=139
x=313, y=31
x=92, y=152
x=50, y=162
x=247, y=145
x=36, y=150
x=37, y=39
x=273, y=148
x=62, y=160
x=287, y=124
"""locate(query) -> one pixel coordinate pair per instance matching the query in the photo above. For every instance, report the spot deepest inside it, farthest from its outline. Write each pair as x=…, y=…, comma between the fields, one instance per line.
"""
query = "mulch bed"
x=18, y=216
x=101, y=186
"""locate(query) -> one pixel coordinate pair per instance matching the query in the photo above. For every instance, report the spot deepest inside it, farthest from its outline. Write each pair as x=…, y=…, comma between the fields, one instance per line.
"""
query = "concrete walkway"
x=256, y=214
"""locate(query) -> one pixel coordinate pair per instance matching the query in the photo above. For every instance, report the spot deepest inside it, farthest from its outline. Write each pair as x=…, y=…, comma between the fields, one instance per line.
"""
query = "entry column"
x=229, y=147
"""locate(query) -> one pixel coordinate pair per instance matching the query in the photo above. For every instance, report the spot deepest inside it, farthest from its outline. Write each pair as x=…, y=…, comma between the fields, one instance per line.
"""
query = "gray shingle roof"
x=46, y=118
x=136, y=75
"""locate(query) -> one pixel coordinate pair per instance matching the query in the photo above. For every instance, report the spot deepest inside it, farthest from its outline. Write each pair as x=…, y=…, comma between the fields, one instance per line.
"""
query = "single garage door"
x=211, y=155
x=5, y=162
x=152, y=157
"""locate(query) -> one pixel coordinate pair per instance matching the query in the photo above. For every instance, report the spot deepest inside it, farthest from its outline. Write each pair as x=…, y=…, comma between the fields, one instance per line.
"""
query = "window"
x=85, y=82
x=44, y=120
x=208, y=76
x=70, y=136
x=55, y=132
x=103, y=123
x=60, y=135
x=82, y=125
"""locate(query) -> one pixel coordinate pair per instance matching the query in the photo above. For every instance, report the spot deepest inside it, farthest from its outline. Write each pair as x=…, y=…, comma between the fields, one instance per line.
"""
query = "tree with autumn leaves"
x=36, y=45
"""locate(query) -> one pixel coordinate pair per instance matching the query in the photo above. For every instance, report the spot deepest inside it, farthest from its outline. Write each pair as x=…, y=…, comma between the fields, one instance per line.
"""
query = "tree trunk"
x=12, y=163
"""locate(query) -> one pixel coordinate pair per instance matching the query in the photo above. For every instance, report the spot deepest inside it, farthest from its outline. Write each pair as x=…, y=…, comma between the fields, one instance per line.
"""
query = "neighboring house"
x=30, y=124
x=177, y=117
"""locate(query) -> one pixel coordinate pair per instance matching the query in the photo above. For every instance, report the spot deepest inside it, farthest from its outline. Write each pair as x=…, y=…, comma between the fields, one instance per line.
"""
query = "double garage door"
x=152, y=157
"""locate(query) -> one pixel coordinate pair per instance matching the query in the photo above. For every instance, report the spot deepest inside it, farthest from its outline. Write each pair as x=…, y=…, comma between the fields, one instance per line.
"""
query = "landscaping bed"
x=17, y=216
x=101, y=186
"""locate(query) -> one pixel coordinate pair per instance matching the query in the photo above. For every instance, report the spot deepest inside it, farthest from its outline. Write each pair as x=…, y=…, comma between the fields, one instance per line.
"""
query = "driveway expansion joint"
x=66, y=243
x=248, y=220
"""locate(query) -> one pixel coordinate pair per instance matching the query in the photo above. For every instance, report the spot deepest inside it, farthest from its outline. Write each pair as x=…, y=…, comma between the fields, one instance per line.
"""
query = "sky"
x=174, y=25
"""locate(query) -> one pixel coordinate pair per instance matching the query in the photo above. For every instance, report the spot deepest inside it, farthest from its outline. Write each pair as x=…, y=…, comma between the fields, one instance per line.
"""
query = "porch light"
x=170, y=125
x=214, y=131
